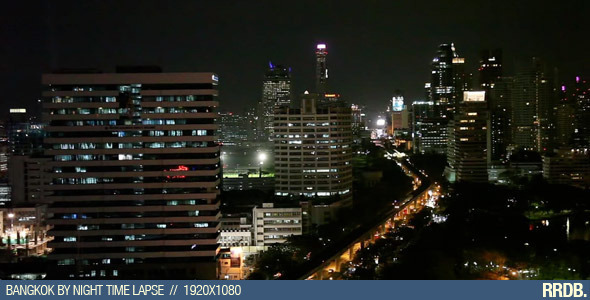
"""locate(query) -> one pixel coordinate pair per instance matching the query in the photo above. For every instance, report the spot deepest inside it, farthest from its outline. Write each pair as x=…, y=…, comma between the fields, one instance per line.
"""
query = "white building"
x=313, y=156
x=235, y=232
x=274, y=225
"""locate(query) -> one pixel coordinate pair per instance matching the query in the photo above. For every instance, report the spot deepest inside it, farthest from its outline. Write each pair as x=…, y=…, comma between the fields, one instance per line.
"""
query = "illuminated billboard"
x=397, y=103
x=474, y=96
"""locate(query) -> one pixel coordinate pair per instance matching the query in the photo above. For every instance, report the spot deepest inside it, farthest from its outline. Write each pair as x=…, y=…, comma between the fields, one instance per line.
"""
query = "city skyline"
x=295, y=140
x=388, y=48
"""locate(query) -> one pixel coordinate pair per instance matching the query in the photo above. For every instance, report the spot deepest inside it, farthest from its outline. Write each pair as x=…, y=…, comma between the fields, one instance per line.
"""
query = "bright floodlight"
x=261, y=157
x=321, y=46
x=11, y=215
x=381, y=122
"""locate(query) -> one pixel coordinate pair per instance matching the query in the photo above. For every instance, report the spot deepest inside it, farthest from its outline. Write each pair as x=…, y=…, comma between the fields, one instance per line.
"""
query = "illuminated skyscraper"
x=276, y=92
x=313, y=156
x=135, y=174
x=429, y=131
x=468, y=140
x=234, y=129
x=321, y=70
x=430, y=118
x=442, y=85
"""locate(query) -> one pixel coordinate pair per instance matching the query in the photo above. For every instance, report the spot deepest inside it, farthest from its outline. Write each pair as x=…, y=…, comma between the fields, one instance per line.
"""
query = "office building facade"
x=321, y=69
x=313, y=155
x=468, y=140
x=272, y=225
x=429, y=132
x=135, y=174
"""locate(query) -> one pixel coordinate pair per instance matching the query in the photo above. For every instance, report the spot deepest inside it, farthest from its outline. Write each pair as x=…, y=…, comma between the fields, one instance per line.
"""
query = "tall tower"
x=532, y=107
x=321, y=71
x=431, y=117
x=500, y=104
x=442, y=83
x=276, y=92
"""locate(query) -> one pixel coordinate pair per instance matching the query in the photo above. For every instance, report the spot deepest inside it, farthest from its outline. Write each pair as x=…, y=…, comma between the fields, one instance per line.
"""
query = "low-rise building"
x=567, y=166
x=273, y=225
x=235, y=232
x=230, y=264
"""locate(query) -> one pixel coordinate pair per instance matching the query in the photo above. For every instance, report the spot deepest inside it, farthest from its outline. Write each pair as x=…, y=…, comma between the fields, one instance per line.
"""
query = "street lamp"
x=261, y=159
x=11, y=217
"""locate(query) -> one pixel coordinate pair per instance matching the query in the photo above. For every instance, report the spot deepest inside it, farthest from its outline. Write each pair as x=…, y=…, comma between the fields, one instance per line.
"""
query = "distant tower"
x=490, y=68
x=276, y=92
x=442, y=87
x=321, y=71
x=532, y=103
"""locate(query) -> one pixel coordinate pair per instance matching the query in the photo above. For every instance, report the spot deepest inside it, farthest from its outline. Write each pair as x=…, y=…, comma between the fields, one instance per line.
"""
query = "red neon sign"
x=180, y=168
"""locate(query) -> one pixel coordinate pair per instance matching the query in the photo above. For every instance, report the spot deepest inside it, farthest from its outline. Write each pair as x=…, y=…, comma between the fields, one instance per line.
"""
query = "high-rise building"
x=500, y=104
x=358, y=120
x=135, y=174
x=565, y=118
x=532, y=107
x=321, y=70
x=468, y=140
x=442, y=84
x=313, y=156
x=579, y=95
x=448, y=81
x=234, y=128
x=276, y=92
x=490, y=68
x=398, y=111
x=429, y=130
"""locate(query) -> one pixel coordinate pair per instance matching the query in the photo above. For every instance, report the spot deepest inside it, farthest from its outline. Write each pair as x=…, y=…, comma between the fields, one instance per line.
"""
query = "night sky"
x=375, y=47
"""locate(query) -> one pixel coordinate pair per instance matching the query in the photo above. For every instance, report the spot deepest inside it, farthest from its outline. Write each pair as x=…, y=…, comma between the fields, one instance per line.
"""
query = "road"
x=424, y=190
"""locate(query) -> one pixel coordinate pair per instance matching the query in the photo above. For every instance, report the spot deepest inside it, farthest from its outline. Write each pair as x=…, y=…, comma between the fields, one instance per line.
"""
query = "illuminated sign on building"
x=179, y=169
x=321, y=46
x=475, y=96
x=397, y=103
